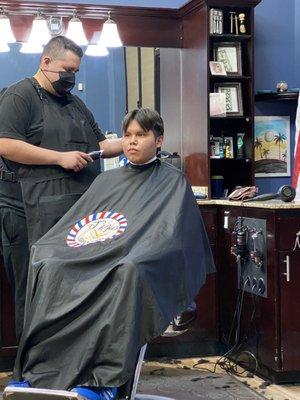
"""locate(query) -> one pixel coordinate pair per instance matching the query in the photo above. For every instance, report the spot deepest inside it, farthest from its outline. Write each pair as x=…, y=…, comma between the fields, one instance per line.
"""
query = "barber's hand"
x=74, y=160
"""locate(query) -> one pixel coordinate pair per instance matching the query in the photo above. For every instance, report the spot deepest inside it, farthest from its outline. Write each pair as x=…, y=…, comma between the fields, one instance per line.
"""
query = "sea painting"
x=272, y=146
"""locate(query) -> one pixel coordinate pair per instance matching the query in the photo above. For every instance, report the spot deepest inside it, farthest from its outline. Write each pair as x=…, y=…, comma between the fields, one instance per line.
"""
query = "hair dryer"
x=285, y=193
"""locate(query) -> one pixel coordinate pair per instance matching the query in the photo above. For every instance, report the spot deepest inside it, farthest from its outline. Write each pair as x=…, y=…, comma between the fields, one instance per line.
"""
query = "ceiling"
x=134, y=3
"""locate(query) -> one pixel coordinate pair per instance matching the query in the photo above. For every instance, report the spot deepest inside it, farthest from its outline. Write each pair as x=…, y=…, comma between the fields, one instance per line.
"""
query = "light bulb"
x=96, y=50
x=75, y=32
x=110, y=35
x=31, y=48
x=4, y=48
x=39, y=32
x=6, y=33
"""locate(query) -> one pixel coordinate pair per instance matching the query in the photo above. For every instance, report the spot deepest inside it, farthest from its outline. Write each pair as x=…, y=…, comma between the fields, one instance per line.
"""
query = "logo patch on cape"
x=97, y=227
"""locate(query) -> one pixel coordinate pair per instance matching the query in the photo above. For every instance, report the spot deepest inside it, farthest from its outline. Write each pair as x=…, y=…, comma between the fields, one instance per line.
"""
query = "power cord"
x=231, y=360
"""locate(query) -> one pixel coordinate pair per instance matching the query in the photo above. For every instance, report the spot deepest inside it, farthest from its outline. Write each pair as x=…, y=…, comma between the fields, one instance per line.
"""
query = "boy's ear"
x=159, y=141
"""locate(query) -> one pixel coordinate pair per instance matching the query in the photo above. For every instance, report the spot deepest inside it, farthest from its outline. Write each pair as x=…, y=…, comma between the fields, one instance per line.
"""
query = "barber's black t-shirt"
x=21, y=118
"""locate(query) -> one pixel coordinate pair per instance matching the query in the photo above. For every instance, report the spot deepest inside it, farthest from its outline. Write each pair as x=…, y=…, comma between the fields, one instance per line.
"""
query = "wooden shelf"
x=229, y=37
x=230, y=77
x=274, y=96
x=199, y=170
x=237, y=117
x=246, y=160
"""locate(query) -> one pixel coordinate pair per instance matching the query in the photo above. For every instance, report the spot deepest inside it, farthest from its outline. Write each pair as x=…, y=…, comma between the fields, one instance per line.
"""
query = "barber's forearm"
x=25, y=153
x=111, y=147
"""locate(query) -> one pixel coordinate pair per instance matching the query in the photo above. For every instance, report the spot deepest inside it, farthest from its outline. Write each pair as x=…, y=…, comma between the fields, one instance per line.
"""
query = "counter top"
x=271, y=204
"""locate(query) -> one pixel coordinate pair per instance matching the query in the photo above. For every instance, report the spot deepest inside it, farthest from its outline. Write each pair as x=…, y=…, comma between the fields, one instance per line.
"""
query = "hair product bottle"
x=240, y=145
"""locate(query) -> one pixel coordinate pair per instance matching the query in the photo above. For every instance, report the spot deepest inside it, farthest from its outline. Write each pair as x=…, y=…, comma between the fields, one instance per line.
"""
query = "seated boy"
x=128, y=257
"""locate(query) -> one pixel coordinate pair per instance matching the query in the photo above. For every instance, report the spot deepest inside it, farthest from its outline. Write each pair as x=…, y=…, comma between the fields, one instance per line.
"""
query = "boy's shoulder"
x=171, y=168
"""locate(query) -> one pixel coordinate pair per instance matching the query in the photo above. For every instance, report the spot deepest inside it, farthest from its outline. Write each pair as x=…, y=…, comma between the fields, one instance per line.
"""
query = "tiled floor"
x=202, y=379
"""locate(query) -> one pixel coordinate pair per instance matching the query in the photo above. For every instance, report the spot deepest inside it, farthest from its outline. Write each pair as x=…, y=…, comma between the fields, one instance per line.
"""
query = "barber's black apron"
x=49, y=191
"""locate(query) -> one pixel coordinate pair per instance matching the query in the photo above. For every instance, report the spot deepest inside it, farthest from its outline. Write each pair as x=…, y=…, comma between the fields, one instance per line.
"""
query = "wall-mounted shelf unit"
x=232, y=45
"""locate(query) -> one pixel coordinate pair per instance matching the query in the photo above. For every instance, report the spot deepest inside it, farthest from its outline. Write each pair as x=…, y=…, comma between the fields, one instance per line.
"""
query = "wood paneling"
x=137, y=26
x=194, y=97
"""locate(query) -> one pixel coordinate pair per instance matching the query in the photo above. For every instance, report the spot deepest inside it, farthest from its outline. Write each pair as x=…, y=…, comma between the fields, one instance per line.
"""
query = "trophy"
x=242, y=23
x=282, y=86
x=233, y=22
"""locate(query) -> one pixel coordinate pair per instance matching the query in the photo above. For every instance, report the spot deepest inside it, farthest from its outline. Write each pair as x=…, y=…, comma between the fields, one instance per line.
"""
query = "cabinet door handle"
x=287, y=273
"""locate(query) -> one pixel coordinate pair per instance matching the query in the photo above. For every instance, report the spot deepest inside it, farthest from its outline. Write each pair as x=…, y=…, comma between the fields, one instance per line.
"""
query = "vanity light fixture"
x=56, y=25
x=39, y=34
x=94, y=48
x=110, y=35
x=75, y=31
x=6, y=33
x=31, y=48
x=4, y=47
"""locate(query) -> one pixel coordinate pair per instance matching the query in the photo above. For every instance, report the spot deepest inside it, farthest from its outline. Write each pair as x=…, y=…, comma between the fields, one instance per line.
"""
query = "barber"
x=46, y=134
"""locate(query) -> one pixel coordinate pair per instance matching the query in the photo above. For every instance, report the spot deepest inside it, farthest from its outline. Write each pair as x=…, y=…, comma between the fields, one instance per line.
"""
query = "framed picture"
x=217, y=68
x=272, y=146
x=233, y=97
x=217, y=105
x=229, y=53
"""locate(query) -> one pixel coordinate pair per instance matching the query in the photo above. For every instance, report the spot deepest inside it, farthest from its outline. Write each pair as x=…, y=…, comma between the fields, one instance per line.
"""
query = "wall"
x=103, y=78
x=277, y=52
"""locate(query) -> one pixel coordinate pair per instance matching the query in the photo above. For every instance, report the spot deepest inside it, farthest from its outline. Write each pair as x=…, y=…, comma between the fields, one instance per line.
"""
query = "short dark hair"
x=148, y=119
x=2, y=91
x=57, y=46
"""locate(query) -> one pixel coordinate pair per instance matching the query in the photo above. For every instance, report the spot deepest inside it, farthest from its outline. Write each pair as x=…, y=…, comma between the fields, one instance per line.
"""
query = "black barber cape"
x=130, y=255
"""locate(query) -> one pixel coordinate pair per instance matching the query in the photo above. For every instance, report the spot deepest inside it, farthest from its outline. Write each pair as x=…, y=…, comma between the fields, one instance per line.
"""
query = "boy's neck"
x=148, y=162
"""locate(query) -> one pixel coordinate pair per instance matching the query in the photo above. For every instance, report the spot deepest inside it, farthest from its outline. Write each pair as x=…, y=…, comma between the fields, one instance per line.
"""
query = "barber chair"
x=127, y=392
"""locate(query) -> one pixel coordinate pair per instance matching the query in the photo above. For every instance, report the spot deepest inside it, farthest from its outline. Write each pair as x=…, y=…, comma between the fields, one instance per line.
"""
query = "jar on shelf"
x=217, y=186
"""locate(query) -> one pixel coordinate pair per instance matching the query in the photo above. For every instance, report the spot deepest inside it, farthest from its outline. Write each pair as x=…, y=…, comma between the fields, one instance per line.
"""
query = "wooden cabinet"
x=201, y=129
x=268, y=329
x=289, y=281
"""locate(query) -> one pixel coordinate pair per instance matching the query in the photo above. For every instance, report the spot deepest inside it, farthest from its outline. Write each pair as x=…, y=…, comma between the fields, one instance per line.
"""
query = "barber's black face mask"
x=65, y=83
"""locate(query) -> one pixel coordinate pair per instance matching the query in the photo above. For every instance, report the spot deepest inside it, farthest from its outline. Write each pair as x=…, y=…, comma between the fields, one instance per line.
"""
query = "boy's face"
x=139, y=146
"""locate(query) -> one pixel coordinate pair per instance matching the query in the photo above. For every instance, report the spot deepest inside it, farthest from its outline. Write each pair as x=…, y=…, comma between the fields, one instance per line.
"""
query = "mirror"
x=116, y=82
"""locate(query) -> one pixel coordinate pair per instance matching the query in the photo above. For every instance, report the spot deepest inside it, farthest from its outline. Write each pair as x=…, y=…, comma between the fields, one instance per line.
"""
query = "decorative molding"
x=138, y=26
x=85, y=10
x=195, y=5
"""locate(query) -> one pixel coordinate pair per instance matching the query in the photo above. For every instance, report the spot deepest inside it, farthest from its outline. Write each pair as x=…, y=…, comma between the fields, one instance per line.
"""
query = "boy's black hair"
x=148, y=119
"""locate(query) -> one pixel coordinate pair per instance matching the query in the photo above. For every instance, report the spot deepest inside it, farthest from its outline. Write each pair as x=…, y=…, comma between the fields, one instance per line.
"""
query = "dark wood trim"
x=139, y=72
x=272, y=96
x=86, y=10
x=233, y=3
x=191, y=7
x=194, y=5
x=138, y=26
